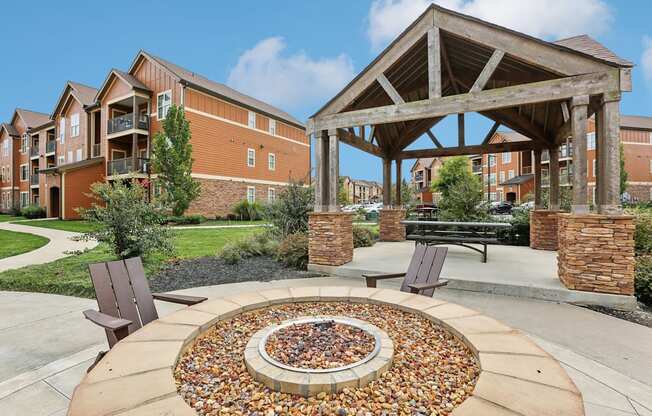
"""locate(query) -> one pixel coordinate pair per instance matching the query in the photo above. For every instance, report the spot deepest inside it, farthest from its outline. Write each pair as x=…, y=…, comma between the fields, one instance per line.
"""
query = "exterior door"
x=55, y=202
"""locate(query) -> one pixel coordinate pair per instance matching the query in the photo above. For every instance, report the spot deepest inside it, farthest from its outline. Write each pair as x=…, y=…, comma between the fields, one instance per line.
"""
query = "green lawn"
x=77, y=226
x=7, y=217
x=69, y=276
x=227, y=222
x=13, y=243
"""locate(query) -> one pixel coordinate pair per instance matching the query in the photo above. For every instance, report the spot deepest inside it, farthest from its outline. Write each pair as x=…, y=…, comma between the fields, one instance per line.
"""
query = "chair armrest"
x=180, y=299
x=106, y=321
x=371, y=279
x=419, y=287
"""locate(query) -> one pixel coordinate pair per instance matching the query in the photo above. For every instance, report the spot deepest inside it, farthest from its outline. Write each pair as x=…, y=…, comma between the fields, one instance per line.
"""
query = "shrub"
x=643, y=280
x=33, y=211
x=362, y=237
x=260, y=244
x=230, y=253
x=245, y=210
x=289, y=213
x=464, y=201
x=643, y=231
x=293, y=251
x=187, y=219
x=128, y=223
x=14, y=212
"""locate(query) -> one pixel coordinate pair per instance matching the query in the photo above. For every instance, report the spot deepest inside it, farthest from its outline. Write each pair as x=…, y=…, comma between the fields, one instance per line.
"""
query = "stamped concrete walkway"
x=60, y=246
x=46, y=345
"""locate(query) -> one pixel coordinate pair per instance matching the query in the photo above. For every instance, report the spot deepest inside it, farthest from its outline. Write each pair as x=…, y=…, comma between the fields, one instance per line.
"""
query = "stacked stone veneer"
x=391, y=228
x=330, y=240
x=596, y=253
x=544, y=230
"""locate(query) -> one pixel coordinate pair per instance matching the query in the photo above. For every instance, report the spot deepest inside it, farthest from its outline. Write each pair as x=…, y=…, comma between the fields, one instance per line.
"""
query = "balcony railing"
x=527, y=170
x=33, y=151
x=127, y=122
x=124, y=166
x=96, y=150
x=51, y=146
x=476, y=168
x=418, y=176
x=33, y=180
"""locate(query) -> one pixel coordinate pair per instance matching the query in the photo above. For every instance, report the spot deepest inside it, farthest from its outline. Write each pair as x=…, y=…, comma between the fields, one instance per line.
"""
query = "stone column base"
x=391, y=228
x=596, y=253
x=543, y=230
x=330, y=238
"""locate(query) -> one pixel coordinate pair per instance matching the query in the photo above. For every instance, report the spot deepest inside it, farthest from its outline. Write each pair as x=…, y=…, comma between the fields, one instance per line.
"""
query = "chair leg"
x=484, y=254
x=99, y=357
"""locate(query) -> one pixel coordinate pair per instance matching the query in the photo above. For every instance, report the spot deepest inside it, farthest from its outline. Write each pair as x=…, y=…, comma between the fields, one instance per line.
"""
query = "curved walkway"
x=60, y=246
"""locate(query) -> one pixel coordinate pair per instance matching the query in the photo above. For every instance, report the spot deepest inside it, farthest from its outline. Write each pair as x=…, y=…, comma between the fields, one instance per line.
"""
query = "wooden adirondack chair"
x=124, y=299
x=422, y=276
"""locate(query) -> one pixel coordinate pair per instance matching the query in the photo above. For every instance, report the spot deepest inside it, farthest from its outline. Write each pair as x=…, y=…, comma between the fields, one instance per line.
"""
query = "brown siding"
x=77, y=184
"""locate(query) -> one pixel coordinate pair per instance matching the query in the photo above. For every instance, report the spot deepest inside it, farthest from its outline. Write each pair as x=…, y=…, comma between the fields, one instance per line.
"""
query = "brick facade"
x=218, y=196
x=596, y=253
x=330, y=240
x=543, y=230
x=391, y=228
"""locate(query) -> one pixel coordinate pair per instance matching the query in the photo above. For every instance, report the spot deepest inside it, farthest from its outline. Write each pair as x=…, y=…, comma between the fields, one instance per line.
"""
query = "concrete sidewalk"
x=59, y=246
x=47, y=345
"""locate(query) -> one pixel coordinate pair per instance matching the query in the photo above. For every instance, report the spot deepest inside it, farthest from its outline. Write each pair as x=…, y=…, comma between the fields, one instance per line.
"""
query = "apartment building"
x=361, y=191
x=422, y=173
x=243, y=148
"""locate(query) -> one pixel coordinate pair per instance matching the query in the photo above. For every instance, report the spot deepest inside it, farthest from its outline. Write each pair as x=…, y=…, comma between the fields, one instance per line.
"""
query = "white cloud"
x=550, y=19
x=646, y=58
x=289, y=81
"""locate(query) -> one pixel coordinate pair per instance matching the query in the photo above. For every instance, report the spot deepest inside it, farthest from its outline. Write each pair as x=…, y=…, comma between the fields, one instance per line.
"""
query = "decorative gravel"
x=319, y=345
x=432, y=371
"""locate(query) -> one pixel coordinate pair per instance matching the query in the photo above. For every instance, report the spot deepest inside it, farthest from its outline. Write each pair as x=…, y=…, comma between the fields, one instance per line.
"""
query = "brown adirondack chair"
x=124, y=299
x=422, y=276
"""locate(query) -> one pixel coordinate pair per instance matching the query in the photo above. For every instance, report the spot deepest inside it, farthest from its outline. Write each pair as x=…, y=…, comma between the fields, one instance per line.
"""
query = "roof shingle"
x=587, y=45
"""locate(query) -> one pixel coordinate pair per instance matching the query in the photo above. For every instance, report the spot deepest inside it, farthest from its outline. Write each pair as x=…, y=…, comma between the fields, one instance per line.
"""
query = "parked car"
x=527, y=205
x=501, y=207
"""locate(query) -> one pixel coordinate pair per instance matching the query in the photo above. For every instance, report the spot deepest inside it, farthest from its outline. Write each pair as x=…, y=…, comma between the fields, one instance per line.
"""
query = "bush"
x=260, y=244
x=245, y=210
x=643, y=231
x=186, y=219
x=643, y=280
x=14, y=212
x=33, y=211
x=129, y=224
x=289, y=213
x=231, y=253
x=362, y=237
x=293, y=251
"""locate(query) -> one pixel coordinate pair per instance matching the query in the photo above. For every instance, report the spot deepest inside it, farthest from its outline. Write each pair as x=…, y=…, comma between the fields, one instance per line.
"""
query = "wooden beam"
x=470, y=150
x=434, y=139
x=397, y=199
x=460, y=130
x=487, y=71
x=362, y=132
x=358, y=143
x=449, y=69
x=564, y=111
x=434, y=63
x=491, y=133
x=372, y=134
x=550, y=90
x=538, y=196
x=390, y=90
x=387, y=183
x=579, y=115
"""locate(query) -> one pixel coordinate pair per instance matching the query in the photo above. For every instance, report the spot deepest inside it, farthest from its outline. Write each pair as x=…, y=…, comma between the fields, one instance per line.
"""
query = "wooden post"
x=387, y=183
x=609, y=155
x=553, y=175
x=434, y=63
x=319, y=168
x=579, y=111
x=333, y=170
x=538, y=202
x=599, y=145
x=460, y=130
x=397, y=200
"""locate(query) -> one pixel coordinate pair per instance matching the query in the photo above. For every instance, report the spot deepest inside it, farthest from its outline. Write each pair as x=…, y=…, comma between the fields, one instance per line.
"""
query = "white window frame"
x=510, y=174
x=594, y=167
x=25, y=200
x=69, y=156
x=74, y=125
x=62, y=130
x=114, y=151
x=251, y=119
x=272, y=128
x=502, y=176
x=492, y=176
x=271, y=194
x=590, y=141
x=24, y=168
x=24, y=140
x=271, y=161
x=61, y=160
x=507, y=157
x=79, y=155
x=491, y=160
x=161, y=107
x=251, y=158
x=5, y=147
x=251, y=194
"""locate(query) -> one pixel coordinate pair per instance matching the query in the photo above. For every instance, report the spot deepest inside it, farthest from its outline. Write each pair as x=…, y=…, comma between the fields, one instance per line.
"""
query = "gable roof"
x=636, y=122
x=125, y=77
x=589, y=46
x=508, y=137
x=11, y=130
x=84, y=94
x=31, y=118
x=217, y=89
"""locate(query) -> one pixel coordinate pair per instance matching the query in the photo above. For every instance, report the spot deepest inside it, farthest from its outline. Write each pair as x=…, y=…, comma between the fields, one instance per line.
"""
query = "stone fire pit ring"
x=136, y=377
x=310, y=381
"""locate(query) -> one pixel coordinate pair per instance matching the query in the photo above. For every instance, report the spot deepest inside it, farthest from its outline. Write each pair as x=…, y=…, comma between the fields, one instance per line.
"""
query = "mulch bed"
x=207, y=271
x=641, y=316
x=432, y=371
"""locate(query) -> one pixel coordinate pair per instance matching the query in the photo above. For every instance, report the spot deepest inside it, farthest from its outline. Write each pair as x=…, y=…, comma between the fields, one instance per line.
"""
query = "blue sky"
x=294, y=54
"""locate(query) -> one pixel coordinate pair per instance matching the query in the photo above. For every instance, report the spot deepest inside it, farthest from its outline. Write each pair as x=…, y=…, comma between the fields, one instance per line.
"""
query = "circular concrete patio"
x=136, y=377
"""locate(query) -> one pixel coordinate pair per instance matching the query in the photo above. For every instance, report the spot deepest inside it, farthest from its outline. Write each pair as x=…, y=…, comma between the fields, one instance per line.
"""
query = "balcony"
x=33, y=151
x=526, y=170
x=50, y=146
x=418, y=176
x=125, y=166
x=476, y=168
x=127, y=122
x=33, y=180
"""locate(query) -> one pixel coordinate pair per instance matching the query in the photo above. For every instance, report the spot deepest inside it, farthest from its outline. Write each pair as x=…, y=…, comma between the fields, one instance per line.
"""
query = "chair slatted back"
x=122, y=291
x=425, y=267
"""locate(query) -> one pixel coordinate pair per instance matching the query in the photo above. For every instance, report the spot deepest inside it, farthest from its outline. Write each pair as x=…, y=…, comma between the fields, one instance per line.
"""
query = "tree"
x=342, y=193
x=461, y=192
x=172, y=161
x=289, y=213
x=452, y=171
x=408, y=198
x=623, y=172
x=125, y=221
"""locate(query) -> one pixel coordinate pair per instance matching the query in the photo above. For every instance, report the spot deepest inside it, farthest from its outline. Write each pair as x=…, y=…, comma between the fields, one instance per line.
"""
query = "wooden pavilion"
x=447, y=63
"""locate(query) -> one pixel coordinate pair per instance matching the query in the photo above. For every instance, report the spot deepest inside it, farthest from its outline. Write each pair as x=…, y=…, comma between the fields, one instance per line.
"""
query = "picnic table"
x=458, y=233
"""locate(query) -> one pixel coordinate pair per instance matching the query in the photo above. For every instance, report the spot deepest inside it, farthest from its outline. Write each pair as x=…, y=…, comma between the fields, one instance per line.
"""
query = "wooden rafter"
x=470, y=150
x=491, y=133
x=460, y=130
x=390, y=90
x=488, y=71
x=356, y=141
x=434, y=139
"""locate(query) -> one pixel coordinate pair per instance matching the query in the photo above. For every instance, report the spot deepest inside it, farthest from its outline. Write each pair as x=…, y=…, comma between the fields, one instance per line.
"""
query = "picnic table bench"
x=457, y=233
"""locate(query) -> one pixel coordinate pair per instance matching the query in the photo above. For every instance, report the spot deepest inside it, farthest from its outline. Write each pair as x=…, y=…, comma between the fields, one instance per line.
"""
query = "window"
x=510, y=174
x=74, y=125
x=62, y=130
x=251, y=158
x=251, y=194
x=272, y=128
x=502, y=176
x=251, y=120
x=61, y=160
x=507, y=157
x=70, y=159
x=78, y=156
x=24, y=199
x=492, y=178
x=492, y=196
x=590, y=141
x=271, y=161
x=271, y=194
x=651, y=137
x=163, y=102
x=24, y=141
x=24, y=173
x=594, y=169
x=5, y=148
